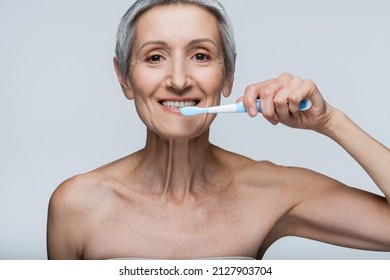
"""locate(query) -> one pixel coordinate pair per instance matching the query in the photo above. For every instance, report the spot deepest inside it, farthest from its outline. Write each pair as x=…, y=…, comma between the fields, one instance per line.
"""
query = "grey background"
x=62, y=111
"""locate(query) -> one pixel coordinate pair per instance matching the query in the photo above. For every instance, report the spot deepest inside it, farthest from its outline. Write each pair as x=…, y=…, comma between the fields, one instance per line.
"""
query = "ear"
x=228, y=85
x=125, y=84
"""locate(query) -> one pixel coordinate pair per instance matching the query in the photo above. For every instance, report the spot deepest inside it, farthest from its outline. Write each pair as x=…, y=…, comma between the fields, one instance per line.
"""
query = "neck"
x=177, y=168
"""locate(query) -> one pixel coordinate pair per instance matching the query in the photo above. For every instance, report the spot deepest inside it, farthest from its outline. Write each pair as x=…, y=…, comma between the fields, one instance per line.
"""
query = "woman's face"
x=177, y=60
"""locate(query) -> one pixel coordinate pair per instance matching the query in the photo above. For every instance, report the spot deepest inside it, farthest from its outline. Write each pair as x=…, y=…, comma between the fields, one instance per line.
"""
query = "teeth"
x=176, y=104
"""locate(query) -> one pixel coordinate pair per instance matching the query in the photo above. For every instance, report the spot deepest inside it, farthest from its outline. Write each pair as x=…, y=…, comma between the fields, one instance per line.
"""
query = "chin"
x=180, y=133
x=181, y=128
x=180, y=136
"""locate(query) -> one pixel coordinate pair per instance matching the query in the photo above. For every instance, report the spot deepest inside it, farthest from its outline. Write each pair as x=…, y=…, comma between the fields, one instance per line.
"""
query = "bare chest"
x=155, y=231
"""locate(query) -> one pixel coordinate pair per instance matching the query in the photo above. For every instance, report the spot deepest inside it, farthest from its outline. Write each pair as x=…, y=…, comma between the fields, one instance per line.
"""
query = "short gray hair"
x=126, y=30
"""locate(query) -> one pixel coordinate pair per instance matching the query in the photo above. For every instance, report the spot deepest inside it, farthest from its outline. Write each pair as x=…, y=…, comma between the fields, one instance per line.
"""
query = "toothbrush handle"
x=305, y=105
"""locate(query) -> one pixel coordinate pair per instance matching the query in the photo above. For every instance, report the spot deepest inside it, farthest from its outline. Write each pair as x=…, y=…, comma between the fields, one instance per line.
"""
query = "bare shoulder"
x=289, y=185
x=66, y=216
x=262, y=173
x=75, y=208
x=74, y=198
x=72, y=194
x=83, y=192
x=240, y=162
x=266, y=173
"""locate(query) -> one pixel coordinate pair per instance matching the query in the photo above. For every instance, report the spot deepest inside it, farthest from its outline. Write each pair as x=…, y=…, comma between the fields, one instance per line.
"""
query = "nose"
x=178, y=79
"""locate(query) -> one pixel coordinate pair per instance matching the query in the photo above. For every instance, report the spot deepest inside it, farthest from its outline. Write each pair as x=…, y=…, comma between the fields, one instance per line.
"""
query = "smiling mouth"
x=178, y=104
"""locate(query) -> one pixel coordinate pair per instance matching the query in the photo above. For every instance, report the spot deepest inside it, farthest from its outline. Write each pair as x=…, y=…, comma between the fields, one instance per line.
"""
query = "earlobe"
x=125, y=85
x=228, y=86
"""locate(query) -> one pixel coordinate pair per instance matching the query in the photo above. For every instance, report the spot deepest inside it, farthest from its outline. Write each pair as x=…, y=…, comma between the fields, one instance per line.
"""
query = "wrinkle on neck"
x=177, y=169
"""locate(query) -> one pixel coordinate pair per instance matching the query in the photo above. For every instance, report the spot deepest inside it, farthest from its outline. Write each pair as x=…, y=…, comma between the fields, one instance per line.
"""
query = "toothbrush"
x=231, y=108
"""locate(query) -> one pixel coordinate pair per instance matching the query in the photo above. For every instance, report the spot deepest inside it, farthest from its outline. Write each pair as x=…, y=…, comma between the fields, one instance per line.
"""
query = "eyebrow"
x=202, y=40
x=155, y=42
x=163, y=43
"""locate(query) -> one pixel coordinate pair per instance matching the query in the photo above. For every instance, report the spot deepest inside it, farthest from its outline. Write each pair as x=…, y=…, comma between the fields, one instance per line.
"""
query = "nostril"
x=178, y=82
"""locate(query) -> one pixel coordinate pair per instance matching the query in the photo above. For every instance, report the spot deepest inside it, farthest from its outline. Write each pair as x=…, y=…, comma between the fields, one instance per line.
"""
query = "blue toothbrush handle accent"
x=305, y=105
x=241, y=108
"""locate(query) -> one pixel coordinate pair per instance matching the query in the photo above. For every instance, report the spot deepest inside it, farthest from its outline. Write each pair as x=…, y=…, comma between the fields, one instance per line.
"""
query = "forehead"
x=174, y=21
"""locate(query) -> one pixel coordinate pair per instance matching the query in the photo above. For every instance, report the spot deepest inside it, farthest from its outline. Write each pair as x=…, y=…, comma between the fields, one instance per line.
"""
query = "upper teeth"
x=177, y=104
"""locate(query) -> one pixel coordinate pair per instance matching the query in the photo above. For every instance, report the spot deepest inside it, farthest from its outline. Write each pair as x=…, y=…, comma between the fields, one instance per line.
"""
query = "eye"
x=154, y=58
x=201, y=57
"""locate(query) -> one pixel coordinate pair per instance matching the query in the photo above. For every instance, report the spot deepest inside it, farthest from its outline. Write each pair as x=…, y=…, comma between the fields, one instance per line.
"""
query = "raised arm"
x=369, y=153
x=325, y=209
x=280, y=100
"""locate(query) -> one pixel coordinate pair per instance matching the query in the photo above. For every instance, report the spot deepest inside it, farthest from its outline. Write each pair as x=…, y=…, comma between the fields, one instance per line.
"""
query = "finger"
x=305, y=90
x=268, y=94
x=282, y=99
x=252, y=93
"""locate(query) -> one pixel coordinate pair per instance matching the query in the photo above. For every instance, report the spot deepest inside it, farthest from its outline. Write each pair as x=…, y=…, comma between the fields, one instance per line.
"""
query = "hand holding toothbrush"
x=289, y=100
x=280, y=102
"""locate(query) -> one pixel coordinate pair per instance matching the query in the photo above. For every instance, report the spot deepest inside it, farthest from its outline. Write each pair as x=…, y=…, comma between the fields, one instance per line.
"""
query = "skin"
x=181, y=197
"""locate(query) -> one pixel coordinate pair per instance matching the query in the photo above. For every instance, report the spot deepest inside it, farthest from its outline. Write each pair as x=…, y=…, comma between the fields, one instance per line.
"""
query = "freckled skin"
x=180, y=197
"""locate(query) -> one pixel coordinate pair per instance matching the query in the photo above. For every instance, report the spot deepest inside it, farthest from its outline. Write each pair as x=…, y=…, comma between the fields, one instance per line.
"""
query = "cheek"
x=144, y=84
x=211, y=81
x=144, y=81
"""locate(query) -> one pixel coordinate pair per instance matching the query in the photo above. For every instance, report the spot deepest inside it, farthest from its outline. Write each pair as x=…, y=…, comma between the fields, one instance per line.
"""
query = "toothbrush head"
x=192, y=111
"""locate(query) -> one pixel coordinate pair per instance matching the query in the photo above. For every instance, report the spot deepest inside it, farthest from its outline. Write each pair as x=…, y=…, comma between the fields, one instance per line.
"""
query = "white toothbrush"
x=231, y=108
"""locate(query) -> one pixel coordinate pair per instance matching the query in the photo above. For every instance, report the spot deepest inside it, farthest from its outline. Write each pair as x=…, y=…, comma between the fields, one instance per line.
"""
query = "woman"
x=181, y=197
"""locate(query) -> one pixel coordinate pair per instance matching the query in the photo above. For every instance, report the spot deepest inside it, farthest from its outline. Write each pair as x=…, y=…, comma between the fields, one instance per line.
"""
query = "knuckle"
x=285, y=76
x=268, y=113
x=310, y=83
x=294, y=98
x=279, y=101
x=250, y=88
x=250, y=91
x=266, y=92
x=297, y=79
